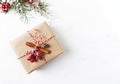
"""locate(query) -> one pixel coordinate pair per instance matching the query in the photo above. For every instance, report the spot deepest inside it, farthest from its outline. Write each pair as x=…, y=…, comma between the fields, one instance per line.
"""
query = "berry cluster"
x=37, y=54
x=5, y=7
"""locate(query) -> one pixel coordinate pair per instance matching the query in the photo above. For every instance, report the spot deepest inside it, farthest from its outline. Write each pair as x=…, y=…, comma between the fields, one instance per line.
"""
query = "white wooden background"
x=88, y=30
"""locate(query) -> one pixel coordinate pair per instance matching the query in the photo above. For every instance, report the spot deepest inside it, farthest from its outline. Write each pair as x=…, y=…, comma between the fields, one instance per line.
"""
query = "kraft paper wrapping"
x=20, y=48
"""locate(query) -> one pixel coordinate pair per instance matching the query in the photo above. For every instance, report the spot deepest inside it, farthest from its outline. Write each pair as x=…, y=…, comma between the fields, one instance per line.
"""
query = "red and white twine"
x=38, y=39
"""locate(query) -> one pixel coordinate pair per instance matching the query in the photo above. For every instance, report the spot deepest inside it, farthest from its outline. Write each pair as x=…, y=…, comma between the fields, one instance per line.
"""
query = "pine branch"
x=24, y=7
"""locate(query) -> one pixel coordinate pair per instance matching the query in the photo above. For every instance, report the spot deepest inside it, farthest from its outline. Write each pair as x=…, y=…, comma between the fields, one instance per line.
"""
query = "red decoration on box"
x=39, y=46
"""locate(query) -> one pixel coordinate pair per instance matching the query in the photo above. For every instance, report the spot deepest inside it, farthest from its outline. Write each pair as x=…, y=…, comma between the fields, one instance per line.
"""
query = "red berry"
x=32, y=60
x=4, y=10
x=3, y=6
x=36, y=48
x=29, y=58
x=37, y=57
x=37, y=53
x=30, y=1
x=25, y=0
x=7, y=5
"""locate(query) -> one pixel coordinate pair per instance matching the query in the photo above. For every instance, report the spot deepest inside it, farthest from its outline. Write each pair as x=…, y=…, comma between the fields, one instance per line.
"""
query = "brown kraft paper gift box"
x=20, y=47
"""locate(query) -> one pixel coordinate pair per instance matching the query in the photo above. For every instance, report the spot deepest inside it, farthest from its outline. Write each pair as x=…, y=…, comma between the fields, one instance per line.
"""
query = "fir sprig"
x=23, y=7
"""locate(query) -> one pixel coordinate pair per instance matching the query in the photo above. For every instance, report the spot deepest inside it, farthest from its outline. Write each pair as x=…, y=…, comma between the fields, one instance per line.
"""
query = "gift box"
x=36, y=47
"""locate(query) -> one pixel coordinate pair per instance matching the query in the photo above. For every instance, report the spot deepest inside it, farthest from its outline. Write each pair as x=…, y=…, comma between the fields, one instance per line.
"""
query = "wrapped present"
x=36, y=47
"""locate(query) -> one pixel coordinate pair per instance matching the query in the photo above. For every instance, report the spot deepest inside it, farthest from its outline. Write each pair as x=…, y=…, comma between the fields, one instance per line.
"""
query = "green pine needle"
x=23, y=8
